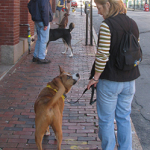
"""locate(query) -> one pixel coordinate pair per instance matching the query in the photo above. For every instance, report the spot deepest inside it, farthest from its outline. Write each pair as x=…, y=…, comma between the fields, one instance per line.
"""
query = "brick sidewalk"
x=22, y=84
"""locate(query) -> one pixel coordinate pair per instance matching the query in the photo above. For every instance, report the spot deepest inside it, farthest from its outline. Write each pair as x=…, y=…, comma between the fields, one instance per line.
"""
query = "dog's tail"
x=71, y=26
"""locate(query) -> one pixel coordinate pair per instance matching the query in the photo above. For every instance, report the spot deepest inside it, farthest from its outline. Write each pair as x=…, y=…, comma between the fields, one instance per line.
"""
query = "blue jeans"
x=114, y=102
x=42, y=39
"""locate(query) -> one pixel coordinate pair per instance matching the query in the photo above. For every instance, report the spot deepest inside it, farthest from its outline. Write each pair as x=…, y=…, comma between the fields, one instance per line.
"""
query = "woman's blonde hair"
x=116, y=7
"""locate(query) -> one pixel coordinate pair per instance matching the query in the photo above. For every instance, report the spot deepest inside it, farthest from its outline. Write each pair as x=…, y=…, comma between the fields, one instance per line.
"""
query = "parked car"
x=74, y=4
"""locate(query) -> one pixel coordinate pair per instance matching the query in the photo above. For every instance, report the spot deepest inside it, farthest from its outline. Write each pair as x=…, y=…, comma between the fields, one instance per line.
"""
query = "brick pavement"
x=22, y=84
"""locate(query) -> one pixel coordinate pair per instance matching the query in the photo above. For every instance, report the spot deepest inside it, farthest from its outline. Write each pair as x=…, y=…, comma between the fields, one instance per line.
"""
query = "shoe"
x=43, y=61
x=35, y=59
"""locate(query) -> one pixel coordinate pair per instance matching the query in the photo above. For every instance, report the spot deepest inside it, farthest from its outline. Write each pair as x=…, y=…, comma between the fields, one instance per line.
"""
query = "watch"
x=94, y=79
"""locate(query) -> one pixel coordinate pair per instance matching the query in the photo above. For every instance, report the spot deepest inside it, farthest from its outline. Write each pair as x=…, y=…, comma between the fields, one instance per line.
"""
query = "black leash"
x=91, y=100
x=92, y=94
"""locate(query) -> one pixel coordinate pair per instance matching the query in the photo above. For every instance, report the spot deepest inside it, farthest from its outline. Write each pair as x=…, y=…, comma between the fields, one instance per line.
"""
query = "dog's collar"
x=63, y=97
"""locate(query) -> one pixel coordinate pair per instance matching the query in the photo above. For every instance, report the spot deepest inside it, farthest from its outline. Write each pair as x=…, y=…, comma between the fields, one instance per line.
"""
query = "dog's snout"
x=77, y=75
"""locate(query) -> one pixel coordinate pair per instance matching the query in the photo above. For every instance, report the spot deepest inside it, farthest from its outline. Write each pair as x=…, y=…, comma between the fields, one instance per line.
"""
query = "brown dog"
x=64, y=21
x=49, y=107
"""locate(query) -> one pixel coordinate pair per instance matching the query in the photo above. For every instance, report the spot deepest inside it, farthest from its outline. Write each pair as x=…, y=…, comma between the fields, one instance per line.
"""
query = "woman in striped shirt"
x=115, y=88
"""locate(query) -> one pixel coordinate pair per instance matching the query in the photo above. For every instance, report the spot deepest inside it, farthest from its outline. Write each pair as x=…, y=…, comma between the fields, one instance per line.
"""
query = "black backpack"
x=130, y=53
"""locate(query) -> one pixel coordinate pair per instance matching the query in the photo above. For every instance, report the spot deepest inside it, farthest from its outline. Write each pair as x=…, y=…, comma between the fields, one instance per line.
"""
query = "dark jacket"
x=41, y=11
x=111, y=72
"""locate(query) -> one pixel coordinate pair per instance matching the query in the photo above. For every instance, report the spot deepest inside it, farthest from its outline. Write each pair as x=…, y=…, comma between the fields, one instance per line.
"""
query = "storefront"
x=136, y=4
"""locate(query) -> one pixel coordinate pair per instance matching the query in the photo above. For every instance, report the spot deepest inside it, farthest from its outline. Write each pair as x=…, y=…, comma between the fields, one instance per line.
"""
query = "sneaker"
x=35, y=59
x=43, y=61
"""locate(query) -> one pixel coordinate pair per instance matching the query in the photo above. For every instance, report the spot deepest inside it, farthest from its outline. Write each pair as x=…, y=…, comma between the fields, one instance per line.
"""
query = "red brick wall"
x=31, y=24
x=9, y=22
x=25, y=18
x=12, y=14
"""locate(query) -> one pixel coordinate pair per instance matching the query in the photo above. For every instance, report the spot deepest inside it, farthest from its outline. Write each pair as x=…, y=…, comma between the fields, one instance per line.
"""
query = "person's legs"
x=107, y=95
x=36, y=50
x=68, y=5
x=60, y=15
x=123, y=111
x=44, y=37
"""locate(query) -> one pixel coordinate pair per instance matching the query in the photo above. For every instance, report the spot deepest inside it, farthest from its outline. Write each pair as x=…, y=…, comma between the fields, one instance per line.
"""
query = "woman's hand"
x=94, y=80
x=91, y=82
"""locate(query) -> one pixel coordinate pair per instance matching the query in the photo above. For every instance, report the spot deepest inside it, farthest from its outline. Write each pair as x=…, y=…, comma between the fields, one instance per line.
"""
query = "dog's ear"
x=61, y=70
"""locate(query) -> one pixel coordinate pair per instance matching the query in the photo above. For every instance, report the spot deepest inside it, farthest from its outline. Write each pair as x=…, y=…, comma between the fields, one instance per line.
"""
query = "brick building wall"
x=25, y=18
x=9, y=22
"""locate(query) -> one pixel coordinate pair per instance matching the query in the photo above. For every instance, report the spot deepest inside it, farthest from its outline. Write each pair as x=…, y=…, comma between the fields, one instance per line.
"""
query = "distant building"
x=136, y=4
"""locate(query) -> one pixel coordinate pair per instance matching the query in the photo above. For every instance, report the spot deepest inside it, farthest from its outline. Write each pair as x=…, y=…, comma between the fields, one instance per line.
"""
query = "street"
x=141, y=103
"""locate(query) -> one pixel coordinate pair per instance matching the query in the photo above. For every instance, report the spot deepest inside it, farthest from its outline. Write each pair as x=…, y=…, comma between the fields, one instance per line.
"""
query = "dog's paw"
x=71, y=56
x=47, y=133
x=63, y=52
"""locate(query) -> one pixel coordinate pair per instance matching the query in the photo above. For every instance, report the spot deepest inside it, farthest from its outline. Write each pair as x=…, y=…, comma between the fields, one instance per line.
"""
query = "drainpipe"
x=29, y=37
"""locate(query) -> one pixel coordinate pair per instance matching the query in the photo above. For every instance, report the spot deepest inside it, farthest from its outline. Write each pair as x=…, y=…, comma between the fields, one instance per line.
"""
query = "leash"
x=91, y=100
x=92, y=94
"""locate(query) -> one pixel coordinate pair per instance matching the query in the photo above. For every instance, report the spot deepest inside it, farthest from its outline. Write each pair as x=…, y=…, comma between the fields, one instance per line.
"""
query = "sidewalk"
x=20, y=85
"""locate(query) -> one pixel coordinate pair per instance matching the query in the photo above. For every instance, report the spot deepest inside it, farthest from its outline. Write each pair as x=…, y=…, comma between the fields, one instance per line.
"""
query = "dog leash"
x=91, y=100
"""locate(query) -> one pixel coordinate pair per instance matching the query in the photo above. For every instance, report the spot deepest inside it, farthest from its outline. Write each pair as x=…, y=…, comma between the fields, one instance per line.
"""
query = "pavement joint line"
x=3, y=75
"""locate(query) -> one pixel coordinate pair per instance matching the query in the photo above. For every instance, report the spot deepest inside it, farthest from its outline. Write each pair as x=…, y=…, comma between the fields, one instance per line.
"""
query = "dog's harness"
x=63, y=97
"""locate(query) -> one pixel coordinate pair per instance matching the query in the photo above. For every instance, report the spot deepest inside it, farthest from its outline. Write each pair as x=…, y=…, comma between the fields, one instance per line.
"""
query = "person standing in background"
x=59, y=7
x=42, y=15
x=68, y=5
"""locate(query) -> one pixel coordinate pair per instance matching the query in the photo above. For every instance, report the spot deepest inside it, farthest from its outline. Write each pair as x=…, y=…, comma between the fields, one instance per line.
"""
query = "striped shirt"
x=103, y=47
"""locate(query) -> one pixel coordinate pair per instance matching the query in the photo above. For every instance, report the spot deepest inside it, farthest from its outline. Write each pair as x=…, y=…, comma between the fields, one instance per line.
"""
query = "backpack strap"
x=124, y=28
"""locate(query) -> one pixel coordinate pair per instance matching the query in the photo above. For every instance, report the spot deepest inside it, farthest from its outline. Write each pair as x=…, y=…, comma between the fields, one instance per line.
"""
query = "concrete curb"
x=136, y=145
